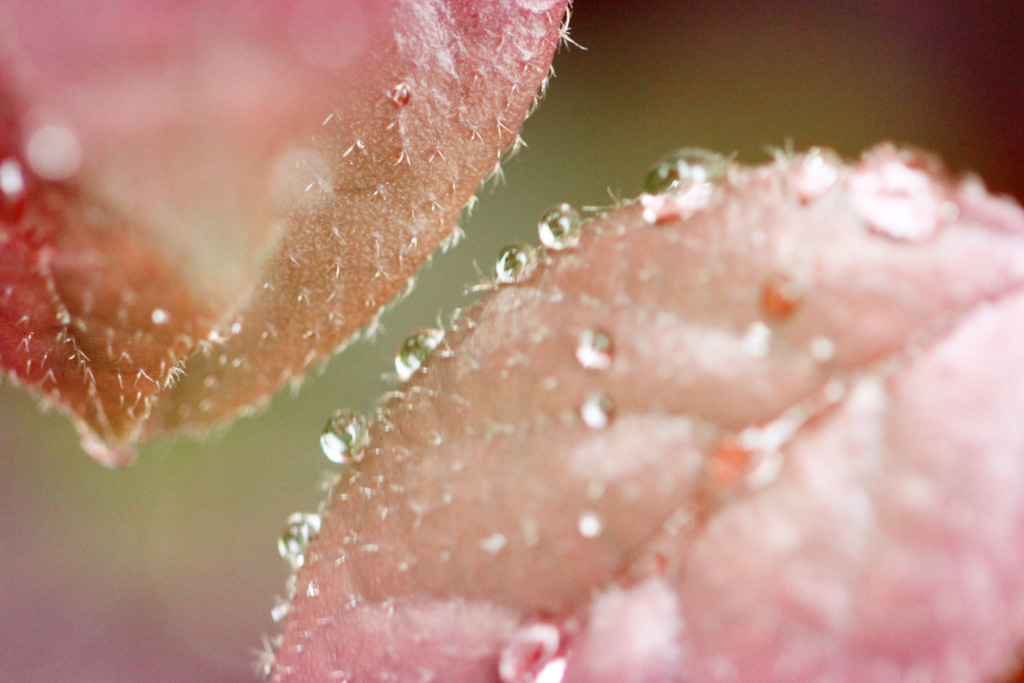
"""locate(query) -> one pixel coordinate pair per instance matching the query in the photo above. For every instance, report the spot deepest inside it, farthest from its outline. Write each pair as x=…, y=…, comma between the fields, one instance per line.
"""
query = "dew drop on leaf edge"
x=301, y=529
x=514, y=262
x=345, y=434
x=684, y=168
x=415, y=350
x=560, y=228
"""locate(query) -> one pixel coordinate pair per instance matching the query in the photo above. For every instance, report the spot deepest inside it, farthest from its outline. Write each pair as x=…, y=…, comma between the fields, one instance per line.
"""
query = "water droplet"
x=530, y=650
x=160, y=316
x=560, y=228
x=590, y=525
x=54, y=152
x=494, y=543
x=401, y=94
x=816, y=174
x=822, y=349
x=415, y=350
x=302, y=528
x=594, y=350
x=344, y=435
x=12, y=181
x=684, y=168
x=514, y=263
x=63, y=317
x=757, y=339
x=313, y=589
x=596, y=411
x=781, y=296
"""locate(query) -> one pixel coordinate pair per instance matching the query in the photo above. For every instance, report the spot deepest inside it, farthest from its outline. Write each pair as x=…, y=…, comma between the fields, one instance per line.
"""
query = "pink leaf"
x=265, y=175
x=799, y=455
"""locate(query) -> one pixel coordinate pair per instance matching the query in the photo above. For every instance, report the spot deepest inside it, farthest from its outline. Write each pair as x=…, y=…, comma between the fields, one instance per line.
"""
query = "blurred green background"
x=167, y=571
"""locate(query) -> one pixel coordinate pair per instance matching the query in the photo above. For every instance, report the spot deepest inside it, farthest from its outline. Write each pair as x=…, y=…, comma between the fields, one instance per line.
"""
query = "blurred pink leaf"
x=200, y=201
x=766, y=420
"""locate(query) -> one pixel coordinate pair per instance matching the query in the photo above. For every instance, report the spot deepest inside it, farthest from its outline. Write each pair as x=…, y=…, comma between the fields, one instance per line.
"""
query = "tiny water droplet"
x=301, y=528
x=415, y=350
x=494, y=543
x=560, y=228
x=401, y=94
x=816, y=174
x=514, y=263
x=757, y=339
x=313, y=589
x=596, y=411
x=530, y=650
x=63, y=317
x=344, y=435
x=594, y=350
x=821, y=349
x=685, y=167
x=590, y=525
x=160, y=316
x=781, y=296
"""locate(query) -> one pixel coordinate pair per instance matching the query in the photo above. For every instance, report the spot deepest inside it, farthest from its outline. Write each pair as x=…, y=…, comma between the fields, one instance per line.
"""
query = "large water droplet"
x=596, y=411
x=302, y=528
x=345, y=434
x=415, y=350
x=678, y=171
x=560, y=228
x=514, y=263
x=594, y=350
x=530, y=650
